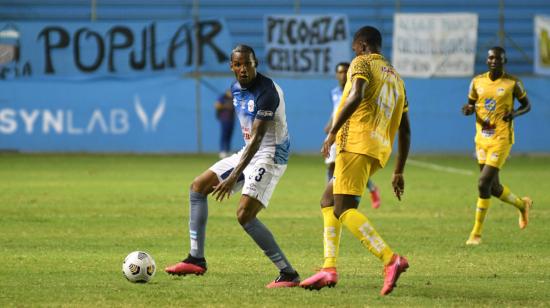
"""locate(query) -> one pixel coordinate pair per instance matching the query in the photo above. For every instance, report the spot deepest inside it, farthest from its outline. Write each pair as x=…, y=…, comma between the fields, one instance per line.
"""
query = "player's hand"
x=508, y=117
x=468, y=109
x=398, y=183
x=329, y=141
x=223, y=190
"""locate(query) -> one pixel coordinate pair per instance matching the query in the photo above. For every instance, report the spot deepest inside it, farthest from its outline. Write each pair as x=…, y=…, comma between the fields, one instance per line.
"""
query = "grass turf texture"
x=68, y=221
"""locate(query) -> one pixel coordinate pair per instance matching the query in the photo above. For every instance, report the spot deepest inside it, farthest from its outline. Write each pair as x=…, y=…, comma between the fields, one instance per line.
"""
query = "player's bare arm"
x=350, y=105
x=223, y=189
x=469, y=108
x=524, y=107
x=328, y=125
x=403, y=145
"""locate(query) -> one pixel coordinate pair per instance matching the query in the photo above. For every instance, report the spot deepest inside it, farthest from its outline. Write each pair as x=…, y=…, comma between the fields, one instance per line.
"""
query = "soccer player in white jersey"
x=336, y=96
x=256, y=169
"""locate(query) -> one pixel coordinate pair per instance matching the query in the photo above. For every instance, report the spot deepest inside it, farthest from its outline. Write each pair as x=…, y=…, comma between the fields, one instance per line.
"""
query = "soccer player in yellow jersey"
x=373, y=108
x=491, y=98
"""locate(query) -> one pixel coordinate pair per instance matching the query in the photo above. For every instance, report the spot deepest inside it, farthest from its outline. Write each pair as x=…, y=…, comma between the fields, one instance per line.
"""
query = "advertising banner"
x=86, y=50
x=428, y=45
x=542, y=45
x=310, y=45
x=145, y=115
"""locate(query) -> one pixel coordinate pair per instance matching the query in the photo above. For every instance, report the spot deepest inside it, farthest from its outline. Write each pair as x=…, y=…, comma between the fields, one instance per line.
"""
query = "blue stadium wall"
x=119, y=116
x=91, y=115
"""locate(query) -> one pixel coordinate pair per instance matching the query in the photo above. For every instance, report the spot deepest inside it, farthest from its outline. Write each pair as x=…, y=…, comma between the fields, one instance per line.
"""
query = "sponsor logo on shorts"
x=265, y=113
x=481, y=154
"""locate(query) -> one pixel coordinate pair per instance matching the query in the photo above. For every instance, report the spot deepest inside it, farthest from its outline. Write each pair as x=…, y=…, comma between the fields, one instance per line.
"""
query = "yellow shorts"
x=493, y=155
x=352, y=172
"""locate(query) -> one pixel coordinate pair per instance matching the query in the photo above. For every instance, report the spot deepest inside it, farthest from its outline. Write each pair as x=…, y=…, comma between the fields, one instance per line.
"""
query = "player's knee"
x=198, y=186
x=326, y=202
x=496, y=190
x=338, y=212
x=484, y=184
x=244, y=216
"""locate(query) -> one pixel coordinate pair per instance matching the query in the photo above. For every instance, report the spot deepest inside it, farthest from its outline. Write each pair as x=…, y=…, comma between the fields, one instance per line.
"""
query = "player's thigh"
x=223, y=168
x=205, y=182
x=352, y=172
x=497, y=155
x=488, y=175
x=261, y=178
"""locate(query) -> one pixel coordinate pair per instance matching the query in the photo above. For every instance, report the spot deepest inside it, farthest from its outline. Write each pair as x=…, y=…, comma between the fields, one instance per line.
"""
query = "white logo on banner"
x=427, y=45
x=59, y=121
x=114, y=121
x=142, y=115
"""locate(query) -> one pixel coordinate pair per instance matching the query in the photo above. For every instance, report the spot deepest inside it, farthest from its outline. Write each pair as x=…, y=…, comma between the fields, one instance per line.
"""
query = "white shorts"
x=331, y=156
x=258, y=180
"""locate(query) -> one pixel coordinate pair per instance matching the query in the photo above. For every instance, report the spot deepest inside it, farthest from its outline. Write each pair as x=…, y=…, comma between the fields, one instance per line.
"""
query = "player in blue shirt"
x=256, y=169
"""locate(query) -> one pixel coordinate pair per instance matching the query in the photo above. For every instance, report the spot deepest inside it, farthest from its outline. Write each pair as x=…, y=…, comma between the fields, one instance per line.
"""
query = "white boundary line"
x=436, y=167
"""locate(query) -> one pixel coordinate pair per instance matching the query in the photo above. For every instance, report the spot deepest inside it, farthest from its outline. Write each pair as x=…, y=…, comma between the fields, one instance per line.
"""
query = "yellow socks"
x=509, y=197
x=331, y=236
x=481, y=212
x=360, y=226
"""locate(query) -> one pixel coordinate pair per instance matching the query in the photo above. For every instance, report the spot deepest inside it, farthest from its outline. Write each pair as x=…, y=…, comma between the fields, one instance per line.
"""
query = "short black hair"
x=245, y=49
x=369, y=35
x=498, y=49
x=346, y=64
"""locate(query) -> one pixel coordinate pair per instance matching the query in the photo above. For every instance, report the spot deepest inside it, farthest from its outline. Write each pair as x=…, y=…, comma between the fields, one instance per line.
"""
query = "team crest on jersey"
x=500, y=91
x=490, y=104
x=250, y=106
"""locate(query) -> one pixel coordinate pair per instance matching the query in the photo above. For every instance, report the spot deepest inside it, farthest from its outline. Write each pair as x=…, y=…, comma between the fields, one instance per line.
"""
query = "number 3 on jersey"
x=261, y=172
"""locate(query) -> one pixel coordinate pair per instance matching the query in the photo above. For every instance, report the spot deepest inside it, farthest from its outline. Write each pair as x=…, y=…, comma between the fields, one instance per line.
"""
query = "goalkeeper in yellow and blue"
x=491, y=98
x=373, y=108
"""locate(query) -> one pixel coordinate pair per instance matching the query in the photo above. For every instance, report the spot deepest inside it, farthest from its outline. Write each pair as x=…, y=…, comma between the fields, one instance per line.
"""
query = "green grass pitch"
x=68, y=221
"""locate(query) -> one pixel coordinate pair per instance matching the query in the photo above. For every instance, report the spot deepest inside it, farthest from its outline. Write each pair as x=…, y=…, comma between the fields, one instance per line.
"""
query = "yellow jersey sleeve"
x=359, y=68
x=519, y=90
x=406, y=103
x=472, y=94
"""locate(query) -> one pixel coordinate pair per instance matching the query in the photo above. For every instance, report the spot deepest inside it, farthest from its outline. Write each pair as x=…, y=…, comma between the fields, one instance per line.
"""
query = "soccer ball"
x=139, y=266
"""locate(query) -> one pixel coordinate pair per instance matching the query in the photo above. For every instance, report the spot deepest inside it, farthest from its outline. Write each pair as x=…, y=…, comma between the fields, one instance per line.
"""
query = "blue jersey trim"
x=228, y=172
x=281, y=152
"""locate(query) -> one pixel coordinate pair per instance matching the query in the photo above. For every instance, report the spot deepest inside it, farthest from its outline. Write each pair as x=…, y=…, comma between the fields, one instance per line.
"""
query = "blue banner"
x=146, y=115
x=76, y=50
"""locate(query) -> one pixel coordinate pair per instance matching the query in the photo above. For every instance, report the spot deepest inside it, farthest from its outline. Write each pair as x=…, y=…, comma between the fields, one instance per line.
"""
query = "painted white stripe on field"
x=439, y=167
